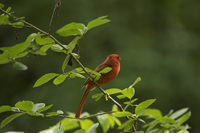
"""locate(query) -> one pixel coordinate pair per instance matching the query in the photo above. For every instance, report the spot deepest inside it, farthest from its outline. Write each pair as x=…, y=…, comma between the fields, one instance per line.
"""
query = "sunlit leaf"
x=80, y=131
x=168, y=120
x=25, y=105
x=105, y=70
x=155, y=113
x=72, y=29
x=152, y=125
x=123, y=114
x=127, y=125
x=21, y=55
x=45, y=108
x=65, y=62
x=86, y=124
x=178, y=113
x=74, y=74
x=93, y=128
x=97, y=22
x=114, y=107
x=113, y=91
x=37, y=106
x=72, y=44
x=4, y=19
x=103, y=120
x=59, y=112
x=128, y=92
x=18, y=48
x=5, y=108
x=135, y=82
x=45, y=78
x=183, y=131
x=59, y=79
x=143, y=106
x=10, y=118
x=184, y=118
x=69, y=124
x=43, y=40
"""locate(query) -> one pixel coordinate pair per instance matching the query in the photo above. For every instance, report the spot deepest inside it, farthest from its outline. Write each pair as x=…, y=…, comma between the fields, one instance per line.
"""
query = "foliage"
x=39, y=43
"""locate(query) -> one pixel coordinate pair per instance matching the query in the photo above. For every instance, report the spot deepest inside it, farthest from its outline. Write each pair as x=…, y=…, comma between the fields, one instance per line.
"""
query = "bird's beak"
x=119, y=58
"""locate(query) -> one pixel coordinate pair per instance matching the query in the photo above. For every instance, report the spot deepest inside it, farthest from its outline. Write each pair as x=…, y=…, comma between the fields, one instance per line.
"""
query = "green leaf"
x=21, y=55
x=103, y=120
x=142, y=106
x=46, y=47
x=18, y=48
x=45, y=78
x=113, y=91
x=97, y=96
x=76, y=55
x=1, y=5
x=74, y=74
x=19, y=66
x=105, y=70
x=45, y=108
x=123, y=114
x=51, y=114
x=65, y=62
x=60, y=112
x=183, y=131
x=168, y=120
x=59, y=79
x=43, y=40
x=5, y=48
x=31, y=37
x=86, y=124
x=152, y=125
x=93, y=128
x=131, y=102
x=184, y=118
x=128, y=92
x=178, y=113
x=3, y=60
x=127, y=125
x=114, y=107
x=121, y=96
x=135, y=82
x=153, y=113
x=8, y=9
x=5, y=108
x=72, y=29
x=72, y=44
x=139, y=132
x=25, y=105
x=10, y=118
x=69, y=124
x=4, y=19
x=37, y=106
x=80, y=131
x=111, y=120
x=17, y=24
x=97, y=22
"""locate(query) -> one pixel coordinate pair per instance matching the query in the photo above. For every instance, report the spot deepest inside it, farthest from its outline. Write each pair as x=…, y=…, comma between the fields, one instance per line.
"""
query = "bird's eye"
x=118, y=57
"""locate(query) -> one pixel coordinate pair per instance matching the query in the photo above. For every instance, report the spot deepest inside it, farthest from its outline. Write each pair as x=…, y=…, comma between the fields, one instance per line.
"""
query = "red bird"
x=112, y=61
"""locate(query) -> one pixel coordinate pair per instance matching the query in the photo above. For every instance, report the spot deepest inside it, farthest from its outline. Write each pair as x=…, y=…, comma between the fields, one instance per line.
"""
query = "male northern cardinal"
x=112, y=61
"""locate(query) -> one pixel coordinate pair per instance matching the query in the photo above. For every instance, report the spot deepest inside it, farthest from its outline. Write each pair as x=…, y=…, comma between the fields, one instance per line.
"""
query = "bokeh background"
x=158, y=41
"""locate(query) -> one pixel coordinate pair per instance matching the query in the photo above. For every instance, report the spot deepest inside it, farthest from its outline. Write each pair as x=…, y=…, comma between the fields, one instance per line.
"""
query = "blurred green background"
x=157, y=40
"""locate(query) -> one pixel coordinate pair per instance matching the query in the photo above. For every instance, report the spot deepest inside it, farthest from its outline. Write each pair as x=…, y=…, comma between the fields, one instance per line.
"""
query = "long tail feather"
x=81, y=104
